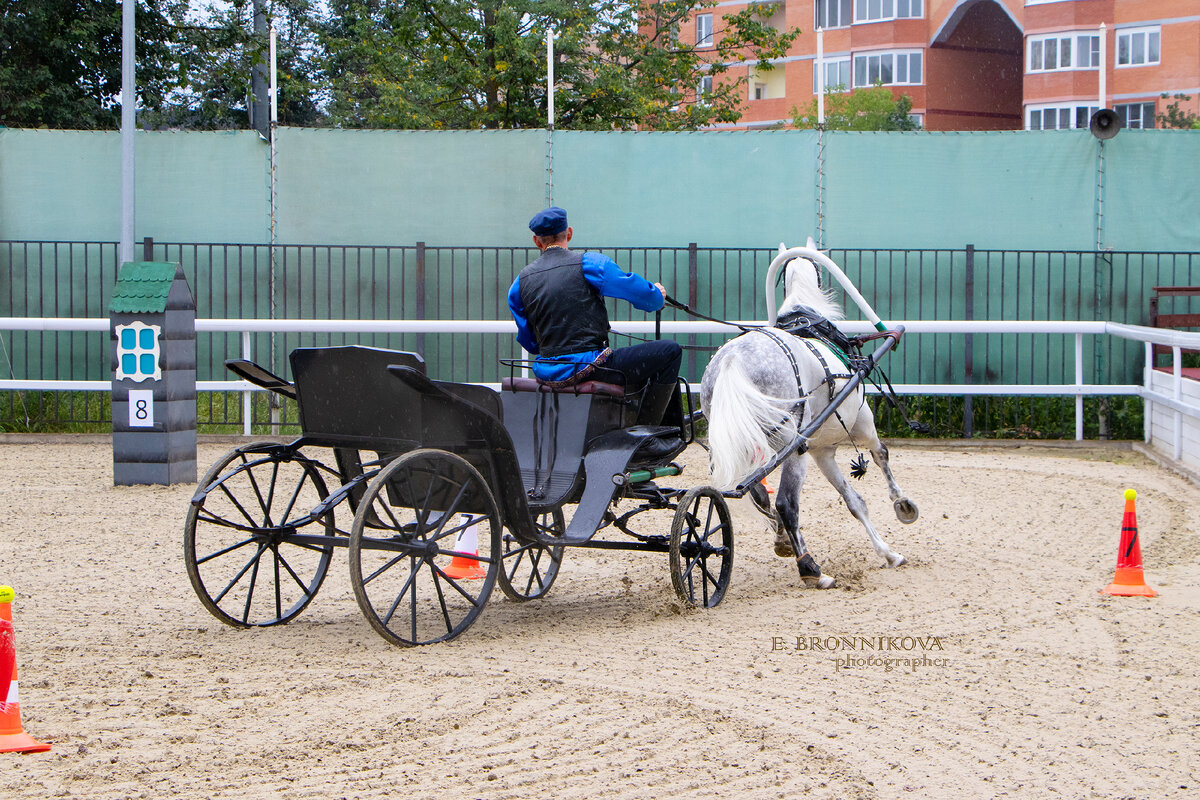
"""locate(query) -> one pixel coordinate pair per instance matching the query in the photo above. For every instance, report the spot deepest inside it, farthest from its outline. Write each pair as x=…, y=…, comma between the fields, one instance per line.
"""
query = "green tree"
x=482, y=64
x=873, y=109
x=60, y=61
x=1176, y=116
x=215, y=50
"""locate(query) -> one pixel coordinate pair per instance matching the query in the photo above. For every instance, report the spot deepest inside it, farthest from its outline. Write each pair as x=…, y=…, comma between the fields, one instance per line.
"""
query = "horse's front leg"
x=788, y=539
x=906, y=510
x=825, y=458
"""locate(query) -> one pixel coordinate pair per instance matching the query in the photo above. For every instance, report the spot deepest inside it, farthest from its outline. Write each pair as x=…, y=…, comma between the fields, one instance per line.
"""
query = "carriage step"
x=643, y=475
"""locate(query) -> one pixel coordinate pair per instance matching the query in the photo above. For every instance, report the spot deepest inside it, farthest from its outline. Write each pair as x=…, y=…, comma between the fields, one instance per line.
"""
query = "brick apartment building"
x=979, y=64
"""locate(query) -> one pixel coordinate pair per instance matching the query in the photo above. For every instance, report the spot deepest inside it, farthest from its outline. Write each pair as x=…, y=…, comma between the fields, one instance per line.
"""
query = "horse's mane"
x=802, y=289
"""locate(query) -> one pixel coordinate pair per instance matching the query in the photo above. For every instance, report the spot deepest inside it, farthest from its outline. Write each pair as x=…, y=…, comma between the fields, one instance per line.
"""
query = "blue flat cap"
x=549, y=221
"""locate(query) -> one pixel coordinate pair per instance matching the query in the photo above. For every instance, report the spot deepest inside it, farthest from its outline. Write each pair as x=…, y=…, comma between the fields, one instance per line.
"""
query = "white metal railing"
x=1177, y=340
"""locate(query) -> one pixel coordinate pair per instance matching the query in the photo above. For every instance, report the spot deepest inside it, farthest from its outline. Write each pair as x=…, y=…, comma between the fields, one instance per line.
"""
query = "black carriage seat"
x=586, y=387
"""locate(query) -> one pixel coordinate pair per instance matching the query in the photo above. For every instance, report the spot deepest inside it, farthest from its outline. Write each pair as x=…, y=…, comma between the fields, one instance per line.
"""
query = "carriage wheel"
x=248, y=560
x=416, y=575
x=701, y=547
x=528, y=570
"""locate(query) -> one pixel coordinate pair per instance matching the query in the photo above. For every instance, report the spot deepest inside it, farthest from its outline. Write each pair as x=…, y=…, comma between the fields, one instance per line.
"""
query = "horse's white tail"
x=745, y=426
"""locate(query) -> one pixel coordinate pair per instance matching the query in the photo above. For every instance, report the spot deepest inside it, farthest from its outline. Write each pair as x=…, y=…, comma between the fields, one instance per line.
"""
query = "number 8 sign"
x=141, y=408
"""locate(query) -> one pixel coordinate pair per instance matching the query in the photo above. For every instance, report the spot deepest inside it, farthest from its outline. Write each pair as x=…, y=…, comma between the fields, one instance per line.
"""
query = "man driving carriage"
x=561, y=319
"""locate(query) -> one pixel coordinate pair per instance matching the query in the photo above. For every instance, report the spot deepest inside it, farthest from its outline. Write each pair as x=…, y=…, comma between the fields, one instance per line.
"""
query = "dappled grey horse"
x=763, y=387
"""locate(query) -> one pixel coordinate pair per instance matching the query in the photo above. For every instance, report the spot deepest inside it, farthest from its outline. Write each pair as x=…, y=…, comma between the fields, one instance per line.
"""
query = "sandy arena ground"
x=1044, y=688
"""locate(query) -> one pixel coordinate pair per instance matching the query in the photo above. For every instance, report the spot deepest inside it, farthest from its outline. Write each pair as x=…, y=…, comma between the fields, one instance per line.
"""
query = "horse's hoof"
x=896, y=560
x=820, y=582
x=784, y=549
x=906, y=510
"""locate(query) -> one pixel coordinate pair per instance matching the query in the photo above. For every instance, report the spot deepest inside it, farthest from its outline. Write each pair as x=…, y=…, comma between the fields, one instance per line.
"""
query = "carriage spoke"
x=252, y=562
x=225, y=551
x=473, y=600
x=412, y=574
x=442, y=598
x=263, y=505
x=250, y=589
x=206, y=516
x=288, y=567
x=387, y=566
x=287, y=511
x=238, y=505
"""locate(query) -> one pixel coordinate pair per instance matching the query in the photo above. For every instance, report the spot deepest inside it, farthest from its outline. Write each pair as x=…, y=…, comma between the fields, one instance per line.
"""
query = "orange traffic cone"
x=461, y=567
x=1129, y=580
x=13, y=738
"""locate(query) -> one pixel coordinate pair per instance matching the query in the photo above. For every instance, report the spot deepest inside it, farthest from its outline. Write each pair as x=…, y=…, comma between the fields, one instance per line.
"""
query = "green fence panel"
x=402, y=187
x=720, y=189
x=196, y=186
x=1152, y=190
x=996, y=189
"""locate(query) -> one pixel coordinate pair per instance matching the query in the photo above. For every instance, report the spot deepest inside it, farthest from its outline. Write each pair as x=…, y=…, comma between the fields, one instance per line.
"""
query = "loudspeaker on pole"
x=1105, y=124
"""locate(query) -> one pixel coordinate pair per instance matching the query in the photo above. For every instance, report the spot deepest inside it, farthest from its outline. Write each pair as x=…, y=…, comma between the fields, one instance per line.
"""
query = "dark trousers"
x=648, y=362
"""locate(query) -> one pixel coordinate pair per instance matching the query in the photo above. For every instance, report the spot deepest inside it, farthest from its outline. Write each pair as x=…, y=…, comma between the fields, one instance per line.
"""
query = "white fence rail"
x=1161, y=398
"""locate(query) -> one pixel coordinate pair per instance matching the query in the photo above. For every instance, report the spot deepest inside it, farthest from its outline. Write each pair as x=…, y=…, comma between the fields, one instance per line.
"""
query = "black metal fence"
x=75, y=279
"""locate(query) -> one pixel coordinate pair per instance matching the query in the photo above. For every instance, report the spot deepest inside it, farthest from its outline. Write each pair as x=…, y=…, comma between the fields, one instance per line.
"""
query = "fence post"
x=693, y=275
x=969, y=344
x=421, y=294
x=148, y=249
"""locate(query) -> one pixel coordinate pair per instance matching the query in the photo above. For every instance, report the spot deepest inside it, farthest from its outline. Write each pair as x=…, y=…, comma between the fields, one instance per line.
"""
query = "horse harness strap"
x=799, y=404
x=830, y=376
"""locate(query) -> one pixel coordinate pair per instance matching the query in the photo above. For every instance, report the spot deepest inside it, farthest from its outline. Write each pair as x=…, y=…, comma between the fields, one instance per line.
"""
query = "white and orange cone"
x=13, y=738
x=461, y=567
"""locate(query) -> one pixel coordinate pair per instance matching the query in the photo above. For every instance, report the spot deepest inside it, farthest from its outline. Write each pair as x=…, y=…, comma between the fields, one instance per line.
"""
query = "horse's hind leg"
x=906, y=510
x=858, y=507
x=788, y=539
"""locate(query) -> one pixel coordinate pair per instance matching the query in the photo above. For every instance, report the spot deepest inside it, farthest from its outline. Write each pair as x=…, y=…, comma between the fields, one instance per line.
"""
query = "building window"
x=766, y=84
x=832, y=13
x=1136, y=115
x=877, y=10
x=837, y=75
x=705, y=88
x=1058, y=118
x=1064, y=51
x=1137, y=47
x=704, y=30
x=889, y=69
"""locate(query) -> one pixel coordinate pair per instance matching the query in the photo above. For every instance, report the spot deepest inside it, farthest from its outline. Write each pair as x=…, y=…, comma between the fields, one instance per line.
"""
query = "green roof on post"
x=142, y=288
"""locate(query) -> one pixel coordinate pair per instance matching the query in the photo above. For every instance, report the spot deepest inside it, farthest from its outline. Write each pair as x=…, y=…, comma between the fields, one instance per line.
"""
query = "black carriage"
x=452, y=487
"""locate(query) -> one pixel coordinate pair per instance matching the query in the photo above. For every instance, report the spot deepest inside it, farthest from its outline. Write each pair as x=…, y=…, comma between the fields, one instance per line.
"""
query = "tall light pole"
x=549, y=117
x=128, y=127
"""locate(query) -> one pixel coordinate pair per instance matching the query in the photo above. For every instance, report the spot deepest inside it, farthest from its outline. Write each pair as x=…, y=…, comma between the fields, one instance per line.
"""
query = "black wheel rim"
x=414, y=584
x=253, y=554
x=701, y=548
x=528, y=570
